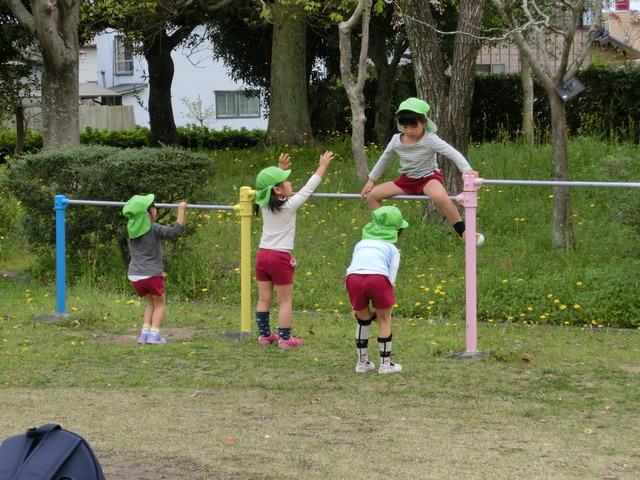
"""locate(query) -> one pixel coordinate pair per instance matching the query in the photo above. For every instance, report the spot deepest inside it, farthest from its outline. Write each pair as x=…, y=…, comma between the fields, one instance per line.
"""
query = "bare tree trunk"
x=526, y=80
x=20, y=130
x=288, y=109
x=450, y=98
x=55, y=27
x=161, y=121
x=385, y=72
x=562, y=227
x=355, y=90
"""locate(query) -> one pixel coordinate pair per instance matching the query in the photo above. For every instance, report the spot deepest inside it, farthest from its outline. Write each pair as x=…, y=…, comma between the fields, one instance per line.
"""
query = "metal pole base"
x=466, y=356
x=236, y=335
x=52, y=317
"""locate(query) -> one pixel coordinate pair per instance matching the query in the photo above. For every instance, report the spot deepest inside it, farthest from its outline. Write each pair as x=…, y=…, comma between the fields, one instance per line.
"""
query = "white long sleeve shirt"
x=418, y=160
x=375, y=257
x=279, y=228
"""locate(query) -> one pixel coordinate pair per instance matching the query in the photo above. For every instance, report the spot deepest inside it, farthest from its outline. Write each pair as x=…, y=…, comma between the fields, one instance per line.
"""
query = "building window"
x=483, y=68
x=123, y=57
x=497, y=68
x=237, y=105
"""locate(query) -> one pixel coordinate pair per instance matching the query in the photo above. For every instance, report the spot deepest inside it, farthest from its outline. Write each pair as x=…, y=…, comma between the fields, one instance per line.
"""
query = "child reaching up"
x=146, y=269
x=417, y=146
x=274, y=263
x=370, y=279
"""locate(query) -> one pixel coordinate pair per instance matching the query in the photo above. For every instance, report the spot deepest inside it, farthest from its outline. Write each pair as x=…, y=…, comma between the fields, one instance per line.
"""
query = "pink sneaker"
x=293, y=342
x=271, y=339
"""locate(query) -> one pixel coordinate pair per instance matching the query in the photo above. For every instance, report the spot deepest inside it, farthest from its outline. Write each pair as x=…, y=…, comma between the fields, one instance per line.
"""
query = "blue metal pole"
x=60, y=204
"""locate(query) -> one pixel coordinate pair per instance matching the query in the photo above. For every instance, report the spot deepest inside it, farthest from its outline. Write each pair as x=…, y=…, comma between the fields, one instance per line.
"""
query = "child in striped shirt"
x=417, y=147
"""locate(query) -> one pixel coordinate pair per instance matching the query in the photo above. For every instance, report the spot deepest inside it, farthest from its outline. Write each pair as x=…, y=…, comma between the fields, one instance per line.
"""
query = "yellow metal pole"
x=245, y=210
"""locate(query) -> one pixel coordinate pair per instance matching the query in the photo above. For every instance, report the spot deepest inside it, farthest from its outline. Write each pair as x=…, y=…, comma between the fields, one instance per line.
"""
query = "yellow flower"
x=576, y=306
x=204, y=289
x=130, y=302
x=579, y=283
x=550, y=295
x=563, y=307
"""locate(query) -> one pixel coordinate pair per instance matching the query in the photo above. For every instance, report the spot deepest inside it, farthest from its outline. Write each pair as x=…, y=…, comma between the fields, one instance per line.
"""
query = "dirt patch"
x=257, y=434
x=630, y=368
x=172, y=334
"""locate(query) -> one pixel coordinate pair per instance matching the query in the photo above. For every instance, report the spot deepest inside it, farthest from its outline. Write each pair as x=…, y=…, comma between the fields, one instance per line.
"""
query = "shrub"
x=100, y=173
x=136, y=138
x=203, y=138
x=32, y=143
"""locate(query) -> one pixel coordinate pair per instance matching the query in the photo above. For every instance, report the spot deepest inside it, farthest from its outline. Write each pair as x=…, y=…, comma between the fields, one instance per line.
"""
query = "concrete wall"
x=118, y=117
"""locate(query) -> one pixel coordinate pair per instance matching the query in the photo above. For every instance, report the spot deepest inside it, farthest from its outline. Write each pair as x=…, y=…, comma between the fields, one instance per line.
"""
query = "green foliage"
x=521, y=277
x=190, y=136
x=136, y=138
x=9, y=216
x=100, y=173
x=608, y=108
x=203, y=138
x=32, y=142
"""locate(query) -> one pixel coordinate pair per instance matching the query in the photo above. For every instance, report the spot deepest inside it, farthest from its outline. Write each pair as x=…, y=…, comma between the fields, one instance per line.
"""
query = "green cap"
x=420, y=107
x=386, y=223
x=266, y=180
x=136, y=211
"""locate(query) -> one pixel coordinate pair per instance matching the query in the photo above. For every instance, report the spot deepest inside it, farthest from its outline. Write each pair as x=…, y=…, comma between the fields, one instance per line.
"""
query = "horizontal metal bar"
x=105, y=203
x=357, y=195
x=558, y=183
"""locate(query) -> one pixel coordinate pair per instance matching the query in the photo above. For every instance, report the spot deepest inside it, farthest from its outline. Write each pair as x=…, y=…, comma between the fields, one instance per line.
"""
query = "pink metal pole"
x=469, y=199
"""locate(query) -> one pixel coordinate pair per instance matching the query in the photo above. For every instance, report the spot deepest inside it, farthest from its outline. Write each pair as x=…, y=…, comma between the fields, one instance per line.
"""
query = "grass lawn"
x=547, y=402
x=556, y=397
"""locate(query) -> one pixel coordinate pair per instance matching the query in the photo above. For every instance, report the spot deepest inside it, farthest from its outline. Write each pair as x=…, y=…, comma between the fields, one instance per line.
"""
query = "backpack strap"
x=13, y=451
x=49, y=455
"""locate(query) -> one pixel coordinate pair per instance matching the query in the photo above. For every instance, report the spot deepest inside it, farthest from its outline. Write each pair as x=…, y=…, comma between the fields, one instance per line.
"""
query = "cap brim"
x=405, y=224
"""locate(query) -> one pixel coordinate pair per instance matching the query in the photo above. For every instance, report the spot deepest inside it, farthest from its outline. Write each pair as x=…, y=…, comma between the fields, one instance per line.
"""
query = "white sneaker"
x=479, y=239
x=362, y=367
x=389, y=368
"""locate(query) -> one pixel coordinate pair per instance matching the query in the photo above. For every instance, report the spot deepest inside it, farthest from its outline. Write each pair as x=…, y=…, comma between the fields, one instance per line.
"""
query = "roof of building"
x=93, y=90
x=125, y=88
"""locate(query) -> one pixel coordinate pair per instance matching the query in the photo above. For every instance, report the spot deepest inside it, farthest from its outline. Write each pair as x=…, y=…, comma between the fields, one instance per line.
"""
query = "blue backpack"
x=48, y=453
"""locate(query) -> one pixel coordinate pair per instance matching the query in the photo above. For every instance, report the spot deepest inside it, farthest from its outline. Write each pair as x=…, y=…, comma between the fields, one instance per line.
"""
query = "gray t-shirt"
x=146, y=251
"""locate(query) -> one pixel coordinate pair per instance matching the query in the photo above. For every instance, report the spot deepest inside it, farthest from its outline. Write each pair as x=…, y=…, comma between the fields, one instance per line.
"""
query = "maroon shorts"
x=151, y=285
x=415, y=186
x=363, y=289
x=275, y=266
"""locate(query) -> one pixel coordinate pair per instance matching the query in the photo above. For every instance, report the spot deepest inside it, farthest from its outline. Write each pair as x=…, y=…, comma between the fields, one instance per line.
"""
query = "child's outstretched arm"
x=323, y=163
x=379, y=168
x=305, y=192
x=174, y=231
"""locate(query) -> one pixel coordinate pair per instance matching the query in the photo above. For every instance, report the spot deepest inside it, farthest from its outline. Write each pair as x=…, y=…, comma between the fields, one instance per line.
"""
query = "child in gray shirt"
x=417, y=146
x=146, y=268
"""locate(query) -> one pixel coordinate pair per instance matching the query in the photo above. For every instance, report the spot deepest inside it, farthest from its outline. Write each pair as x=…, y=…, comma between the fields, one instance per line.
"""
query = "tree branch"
x=21, y=13
x=204, y=4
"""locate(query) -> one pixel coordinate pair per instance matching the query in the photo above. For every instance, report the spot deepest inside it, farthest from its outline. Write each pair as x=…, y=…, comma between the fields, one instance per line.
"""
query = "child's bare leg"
x=436, y=191
x=265, y=291
x=159, y=310
x=148, y=312
x=380, y=192
x=384, y=322
x=285, y=302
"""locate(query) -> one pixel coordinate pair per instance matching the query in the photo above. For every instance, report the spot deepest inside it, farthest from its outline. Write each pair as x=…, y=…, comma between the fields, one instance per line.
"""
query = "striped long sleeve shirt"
x=419, y=159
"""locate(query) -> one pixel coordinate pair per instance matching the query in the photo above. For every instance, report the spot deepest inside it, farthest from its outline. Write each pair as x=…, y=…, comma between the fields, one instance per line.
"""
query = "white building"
x=198, y=78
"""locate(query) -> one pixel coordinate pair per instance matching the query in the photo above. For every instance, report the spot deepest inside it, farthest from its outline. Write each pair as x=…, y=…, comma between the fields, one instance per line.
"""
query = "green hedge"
x=608, y=108
x=100, y=173
x=191, y=137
